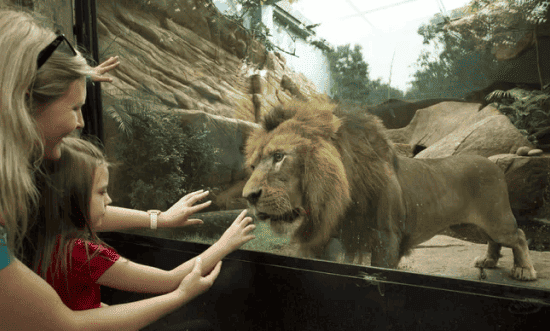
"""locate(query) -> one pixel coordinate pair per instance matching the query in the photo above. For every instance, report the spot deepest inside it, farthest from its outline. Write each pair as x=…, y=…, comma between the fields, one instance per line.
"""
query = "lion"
x=320, y=172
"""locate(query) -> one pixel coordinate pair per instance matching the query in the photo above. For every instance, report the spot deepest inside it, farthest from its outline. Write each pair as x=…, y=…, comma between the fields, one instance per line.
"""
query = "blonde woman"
x=42, y=90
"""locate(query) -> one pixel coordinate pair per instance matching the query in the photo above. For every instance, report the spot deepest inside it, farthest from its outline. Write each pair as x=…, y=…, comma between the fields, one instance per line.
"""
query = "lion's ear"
x=336, y=123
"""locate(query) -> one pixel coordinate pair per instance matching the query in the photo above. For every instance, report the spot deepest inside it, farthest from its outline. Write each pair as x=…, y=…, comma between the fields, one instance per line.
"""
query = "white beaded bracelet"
x=154, y=213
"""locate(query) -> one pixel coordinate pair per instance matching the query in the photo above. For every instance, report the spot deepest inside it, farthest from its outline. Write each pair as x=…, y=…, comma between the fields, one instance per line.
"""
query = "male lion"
x=332, y=173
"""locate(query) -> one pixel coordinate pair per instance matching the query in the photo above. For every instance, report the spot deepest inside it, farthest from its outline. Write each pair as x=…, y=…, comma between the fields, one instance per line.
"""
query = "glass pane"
x=446, y=79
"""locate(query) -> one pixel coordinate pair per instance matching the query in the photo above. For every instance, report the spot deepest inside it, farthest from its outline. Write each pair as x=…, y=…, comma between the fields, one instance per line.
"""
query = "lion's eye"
x=278, y=157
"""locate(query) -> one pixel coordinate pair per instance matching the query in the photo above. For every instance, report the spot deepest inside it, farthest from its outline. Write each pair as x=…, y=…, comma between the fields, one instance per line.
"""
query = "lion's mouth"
x=287, y=217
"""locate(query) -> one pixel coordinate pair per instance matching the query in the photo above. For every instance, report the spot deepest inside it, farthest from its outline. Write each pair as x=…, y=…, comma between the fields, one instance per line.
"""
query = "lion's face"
x=274, y=189
x=298, y=180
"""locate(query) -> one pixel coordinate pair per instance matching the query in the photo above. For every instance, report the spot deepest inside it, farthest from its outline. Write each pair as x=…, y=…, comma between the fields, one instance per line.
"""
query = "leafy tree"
x=458, y=69
x=501, y=22
x=529, y=111
x=350, y=74
x=463, y=60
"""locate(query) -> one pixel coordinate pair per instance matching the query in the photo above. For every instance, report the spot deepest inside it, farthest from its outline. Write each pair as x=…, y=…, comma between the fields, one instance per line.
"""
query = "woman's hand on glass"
x=99, y=72
x=179, y=213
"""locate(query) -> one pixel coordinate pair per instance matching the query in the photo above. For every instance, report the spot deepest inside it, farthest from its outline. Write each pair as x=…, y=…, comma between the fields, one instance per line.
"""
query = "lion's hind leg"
x=506, y=233
x=523, y=266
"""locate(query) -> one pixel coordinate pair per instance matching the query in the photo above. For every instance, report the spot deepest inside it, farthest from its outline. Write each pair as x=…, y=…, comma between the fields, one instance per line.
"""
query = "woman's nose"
x=79, y=120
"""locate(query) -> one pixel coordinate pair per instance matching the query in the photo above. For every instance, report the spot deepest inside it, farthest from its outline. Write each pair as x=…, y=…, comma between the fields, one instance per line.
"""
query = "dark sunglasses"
x=45, y=54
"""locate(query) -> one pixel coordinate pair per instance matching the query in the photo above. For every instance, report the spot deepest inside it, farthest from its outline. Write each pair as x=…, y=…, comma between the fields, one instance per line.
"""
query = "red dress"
x=80, y=291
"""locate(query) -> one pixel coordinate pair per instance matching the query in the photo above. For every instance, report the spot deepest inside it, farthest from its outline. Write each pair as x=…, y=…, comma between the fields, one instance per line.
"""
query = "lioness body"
x=454, y=190
x=335, y=174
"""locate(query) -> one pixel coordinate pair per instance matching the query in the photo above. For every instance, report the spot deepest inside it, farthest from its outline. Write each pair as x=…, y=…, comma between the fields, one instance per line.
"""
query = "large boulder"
x=397, y=114
x=451, y=128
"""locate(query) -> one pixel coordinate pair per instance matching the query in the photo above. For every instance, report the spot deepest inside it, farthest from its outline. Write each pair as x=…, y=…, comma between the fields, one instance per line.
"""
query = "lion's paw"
x=524, y=273
x=485, y=262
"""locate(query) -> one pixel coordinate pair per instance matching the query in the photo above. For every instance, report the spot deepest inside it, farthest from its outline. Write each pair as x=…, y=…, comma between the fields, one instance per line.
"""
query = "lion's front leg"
x=385, y=253
x=491, y=258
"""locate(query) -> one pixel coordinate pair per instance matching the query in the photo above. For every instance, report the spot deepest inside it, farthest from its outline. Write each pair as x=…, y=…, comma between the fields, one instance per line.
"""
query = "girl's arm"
x=117, y=218
x=27, y=302
x=129, y=276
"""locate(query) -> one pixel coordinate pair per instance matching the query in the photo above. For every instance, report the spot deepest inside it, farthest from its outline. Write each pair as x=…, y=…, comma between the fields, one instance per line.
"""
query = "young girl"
x=73, y=204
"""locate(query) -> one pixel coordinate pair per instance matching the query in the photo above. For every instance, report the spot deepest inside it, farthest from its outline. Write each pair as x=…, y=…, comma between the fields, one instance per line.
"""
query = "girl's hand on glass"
x=239, y=233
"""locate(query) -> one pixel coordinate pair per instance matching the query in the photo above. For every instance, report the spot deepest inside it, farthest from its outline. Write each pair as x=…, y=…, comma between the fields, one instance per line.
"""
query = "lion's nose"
x=253, y=197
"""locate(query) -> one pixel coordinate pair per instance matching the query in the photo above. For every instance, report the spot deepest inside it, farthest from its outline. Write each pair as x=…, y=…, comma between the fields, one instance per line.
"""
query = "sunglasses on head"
x=47, y=52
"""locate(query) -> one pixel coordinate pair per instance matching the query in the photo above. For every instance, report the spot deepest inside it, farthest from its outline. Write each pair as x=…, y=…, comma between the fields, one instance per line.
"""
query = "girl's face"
x=61, y=118
x=100, y=198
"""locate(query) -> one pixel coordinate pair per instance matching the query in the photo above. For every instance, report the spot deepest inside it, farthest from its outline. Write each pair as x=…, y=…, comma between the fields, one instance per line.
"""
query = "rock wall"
x=190, y=57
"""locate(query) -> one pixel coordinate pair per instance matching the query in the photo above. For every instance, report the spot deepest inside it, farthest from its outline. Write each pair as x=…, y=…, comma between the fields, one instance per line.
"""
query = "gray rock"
x=451, y=128
x=535, y=152
x=523, y=151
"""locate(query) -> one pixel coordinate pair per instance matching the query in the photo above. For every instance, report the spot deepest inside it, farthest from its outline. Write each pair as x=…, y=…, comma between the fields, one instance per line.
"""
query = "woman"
x=41, y=93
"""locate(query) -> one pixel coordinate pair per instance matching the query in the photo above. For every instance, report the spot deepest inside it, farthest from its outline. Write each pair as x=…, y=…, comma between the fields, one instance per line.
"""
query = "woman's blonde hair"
x=64, y=209
x=23, y=91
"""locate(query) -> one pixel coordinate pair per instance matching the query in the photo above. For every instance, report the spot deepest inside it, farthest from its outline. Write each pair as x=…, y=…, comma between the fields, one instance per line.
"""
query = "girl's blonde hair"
x=64, y=209
x=23, y=91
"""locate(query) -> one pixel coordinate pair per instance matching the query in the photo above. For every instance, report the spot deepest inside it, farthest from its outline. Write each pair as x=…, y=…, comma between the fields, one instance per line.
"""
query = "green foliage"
x=457, y=70
x=529, y=111
x=463, y=61
x=350, y=74
x=502, y=21
x=160, y=160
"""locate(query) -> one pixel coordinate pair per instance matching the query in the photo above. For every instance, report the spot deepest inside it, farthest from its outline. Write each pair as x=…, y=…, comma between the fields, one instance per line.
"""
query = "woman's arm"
x=129, y=276
x=117, y=218
x=27, y=302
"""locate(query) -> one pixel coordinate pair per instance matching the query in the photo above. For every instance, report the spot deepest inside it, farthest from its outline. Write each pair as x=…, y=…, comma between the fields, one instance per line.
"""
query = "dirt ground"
x=446, y=256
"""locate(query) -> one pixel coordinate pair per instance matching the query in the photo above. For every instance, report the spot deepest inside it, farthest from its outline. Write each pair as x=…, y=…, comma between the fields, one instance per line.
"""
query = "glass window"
x=447, y=79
